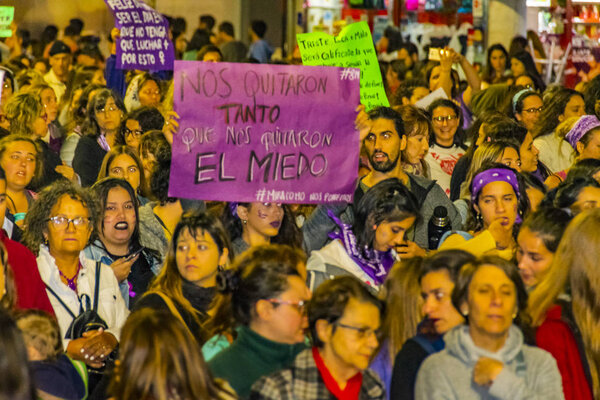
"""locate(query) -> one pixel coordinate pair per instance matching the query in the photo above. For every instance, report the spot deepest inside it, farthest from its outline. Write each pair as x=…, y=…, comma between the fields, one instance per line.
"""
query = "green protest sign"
x=352, y=48
x=7, y=15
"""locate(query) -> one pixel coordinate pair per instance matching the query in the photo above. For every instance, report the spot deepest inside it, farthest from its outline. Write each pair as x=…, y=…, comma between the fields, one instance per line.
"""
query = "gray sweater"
x=528, y=373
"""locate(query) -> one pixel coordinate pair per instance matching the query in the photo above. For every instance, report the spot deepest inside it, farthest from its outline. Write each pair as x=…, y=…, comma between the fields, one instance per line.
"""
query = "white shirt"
x=111, y=306
x=556, y=154
x=56, y=84
x=441, y=162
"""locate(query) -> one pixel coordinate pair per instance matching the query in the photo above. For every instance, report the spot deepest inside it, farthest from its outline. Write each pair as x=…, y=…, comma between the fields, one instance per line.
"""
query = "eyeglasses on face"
x=534, y=110
x=60, y=221
x=136, y=133
x=361, y=332
x=440, y=120
x=298, y=305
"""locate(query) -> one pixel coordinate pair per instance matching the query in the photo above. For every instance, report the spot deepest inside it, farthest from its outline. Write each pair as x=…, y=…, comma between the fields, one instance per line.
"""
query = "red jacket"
x=559, y=335
x=31, y=291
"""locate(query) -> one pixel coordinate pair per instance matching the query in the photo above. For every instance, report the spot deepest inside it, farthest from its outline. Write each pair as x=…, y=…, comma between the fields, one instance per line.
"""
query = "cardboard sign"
x=144, y=41
x=266, y=133
x=352, y=48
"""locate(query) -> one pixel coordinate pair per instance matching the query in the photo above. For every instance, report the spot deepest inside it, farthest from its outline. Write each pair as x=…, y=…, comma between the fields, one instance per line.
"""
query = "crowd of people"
x=112, y=289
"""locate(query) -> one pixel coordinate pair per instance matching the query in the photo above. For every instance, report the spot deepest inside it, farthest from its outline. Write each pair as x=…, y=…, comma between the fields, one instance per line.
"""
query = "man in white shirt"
x=60, y=63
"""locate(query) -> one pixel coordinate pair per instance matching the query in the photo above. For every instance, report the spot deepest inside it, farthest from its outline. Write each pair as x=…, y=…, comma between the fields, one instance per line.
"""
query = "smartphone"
x=434, y=54
x=135, y=253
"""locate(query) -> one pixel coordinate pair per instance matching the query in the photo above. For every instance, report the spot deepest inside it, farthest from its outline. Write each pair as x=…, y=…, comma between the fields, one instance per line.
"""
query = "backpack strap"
x=81, y=369
x=173, y=309
x=62, y=303
x=97, y=286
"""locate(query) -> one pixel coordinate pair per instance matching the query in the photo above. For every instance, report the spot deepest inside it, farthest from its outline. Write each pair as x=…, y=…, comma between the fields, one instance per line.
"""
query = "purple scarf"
x=376, y=264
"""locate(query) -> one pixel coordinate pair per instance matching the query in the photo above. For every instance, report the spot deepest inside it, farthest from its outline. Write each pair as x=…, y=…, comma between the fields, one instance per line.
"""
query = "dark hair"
x=591, y=94
x=17, y=378
x=154, y=142
x=209, y=48
x=447, y=260
x=330, y=299
x=226, y=28
x=390, y=114
x=533, y=182
x=101, y=189
x=459, y=135
x=388, y=200
x=260, y=273
x=76, y=23
x=588, y=167
x=548, y=224
x=406, y=90
x=554, y=106
x=394, y=37
x=49, y=34
x=489, y=74
x=460, y=294
x=199, y=39
x=525, y=58
x=506, y=129
x=36, y=219
x=149, y=118
x=208, y=20
x=522, y=205
x=489, y=118
x=259, y=28
x=159, y=182
x=568, y=191
x=518, y=105
x=428, y=70
x=90, y=126
x=410, y=48
x=517, y=44
x=288, y=231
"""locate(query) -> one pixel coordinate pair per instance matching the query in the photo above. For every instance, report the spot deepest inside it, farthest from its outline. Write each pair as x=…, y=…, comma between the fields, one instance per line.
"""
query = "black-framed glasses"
x=60, y=221
x=136, y=133
x=362, y=332
x=298, y=305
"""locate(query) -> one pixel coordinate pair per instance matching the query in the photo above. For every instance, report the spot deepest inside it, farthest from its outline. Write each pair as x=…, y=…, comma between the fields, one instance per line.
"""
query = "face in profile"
x=436, y=290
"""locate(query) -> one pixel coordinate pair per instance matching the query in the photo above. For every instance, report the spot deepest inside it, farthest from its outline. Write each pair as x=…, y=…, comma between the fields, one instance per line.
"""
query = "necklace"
x=71, y=282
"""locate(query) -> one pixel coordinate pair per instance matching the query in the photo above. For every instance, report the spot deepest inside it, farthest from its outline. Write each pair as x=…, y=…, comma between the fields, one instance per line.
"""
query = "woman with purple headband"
x=498, y=205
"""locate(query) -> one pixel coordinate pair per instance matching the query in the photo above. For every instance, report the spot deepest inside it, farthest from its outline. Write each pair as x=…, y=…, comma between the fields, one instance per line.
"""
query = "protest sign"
x=266, y=133
x=7, y=14
x=352, y=48
x=144, y=40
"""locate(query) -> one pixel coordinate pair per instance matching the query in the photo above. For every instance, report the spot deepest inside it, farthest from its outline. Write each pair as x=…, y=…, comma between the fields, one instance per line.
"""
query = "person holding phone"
x=118, y=240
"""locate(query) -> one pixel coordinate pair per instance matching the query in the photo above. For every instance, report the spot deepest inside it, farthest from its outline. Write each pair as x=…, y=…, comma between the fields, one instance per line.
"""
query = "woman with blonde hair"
x=561, y=308
x=159, y=360
x=402, y=295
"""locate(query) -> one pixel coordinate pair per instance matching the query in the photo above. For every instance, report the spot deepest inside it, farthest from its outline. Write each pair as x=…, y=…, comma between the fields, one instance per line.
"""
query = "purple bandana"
x=494, y=175
x=583, y=125
x=376, y=264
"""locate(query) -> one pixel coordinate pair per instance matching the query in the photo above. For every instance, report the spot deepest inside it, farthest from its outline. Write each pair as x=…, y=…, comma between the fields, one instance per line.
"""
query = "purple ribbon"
x=376, y=264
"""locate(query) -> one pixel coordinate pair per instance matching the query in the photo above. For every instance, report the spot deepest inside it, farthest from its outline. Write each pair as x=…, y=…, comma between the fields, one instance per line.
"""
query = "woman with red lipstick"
x=366, y=250
x=118, y=241
x=487, y=357
x=253, y=224
x=498, y=204
x=437, y=279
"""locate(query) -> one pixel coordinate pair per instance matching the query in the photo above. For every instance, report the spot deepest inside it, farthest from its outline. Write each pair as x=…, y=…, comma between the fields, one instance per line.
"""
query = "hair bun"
x=228, y=281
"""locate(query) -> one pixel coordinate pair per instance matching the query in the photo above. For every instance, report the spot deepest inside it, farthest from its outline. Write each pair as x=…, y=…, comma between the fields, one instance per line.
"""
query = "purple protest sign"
x=144, y=40
x=267, y=133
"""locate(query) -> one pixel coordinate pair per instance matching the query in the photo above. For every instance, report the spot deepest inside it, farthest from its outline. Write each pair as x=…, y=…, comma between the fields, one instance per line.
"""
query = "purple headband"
x=583, y=125
x=494, y=175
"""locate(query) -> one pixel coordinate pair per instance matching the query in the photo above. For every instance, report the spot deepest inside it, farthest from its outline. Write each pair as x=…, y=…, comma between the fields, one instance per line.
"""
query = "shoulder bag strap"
x=62, y=303
x=97, y=286
x=173, y=310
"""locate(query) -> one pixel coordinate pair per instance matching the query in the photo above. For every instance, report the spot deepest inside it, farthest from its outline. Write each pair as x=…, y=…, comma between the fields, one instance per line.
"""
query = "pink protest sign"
x=267, y=133
x=144, y=36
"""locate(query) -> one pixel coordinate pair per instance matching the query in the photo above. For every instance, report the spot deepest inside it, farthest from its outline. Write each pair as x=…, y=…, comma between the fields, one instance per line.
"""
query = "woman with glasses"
x=138, y=122
x=123, y=163
x=59, y=226
x=487, y=357
x=344, y=321
x=446, y=144
x=104, y=115
x=187, y=282
x=527, y=106
x=264, y=295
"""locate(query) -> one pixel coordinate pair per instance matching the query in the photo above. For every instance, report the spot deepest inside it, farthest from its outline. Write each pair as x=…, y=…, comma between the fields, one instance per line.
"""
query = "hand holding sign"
x=352, y=48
